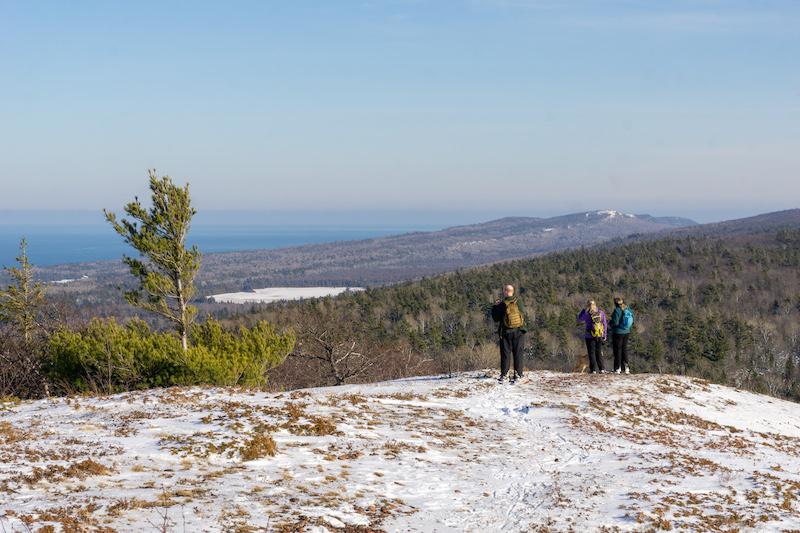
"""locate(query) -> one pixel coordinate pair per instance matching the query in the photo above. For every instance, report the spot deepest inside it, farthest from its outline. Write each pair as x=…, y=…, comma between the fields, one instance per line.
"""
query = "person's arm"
x=525, y=319
x=497, y=311
x=615, y=317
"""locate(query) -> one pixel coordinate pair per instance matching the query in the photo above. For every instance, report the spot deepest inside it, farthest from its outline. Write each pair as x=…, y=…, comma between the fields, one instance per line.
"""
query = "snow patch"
x=69, y=280
x=277, y=294
x=612, y=213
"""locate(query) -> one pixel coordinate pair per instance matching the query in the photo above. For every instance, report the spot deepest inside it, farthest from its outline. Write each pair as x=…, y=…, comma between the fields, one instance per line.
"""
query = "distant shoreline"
x=50, y=245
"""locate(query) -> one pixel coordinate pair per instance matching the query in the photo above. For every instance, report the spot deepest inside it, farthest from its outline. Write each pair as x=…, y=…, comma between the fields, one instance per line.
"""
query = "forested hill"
x=725, y=308
x=764, y=223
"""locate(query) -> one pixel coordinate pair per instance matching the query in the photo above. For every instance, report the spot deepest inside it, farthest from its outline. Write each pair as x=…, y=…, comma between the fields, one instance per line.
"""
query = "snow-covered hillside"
x=555, y=452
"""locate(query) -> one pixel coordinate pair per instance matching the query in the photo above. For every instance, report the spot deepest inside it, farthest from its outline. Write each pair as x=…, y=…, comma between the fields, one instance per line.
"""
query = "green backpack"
x=513, y=318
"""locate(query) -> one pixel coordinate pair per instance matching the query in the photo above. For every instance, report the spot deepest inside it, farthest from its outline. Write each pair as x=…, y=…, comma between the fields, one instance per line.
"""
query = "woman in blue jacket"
x=621, y=324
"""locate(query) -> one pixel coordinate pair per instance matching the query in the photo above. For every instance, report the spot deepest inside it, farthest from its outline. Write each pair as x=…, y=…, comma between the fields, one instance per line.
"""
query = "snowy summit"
x=611, y=213
x=553, y=452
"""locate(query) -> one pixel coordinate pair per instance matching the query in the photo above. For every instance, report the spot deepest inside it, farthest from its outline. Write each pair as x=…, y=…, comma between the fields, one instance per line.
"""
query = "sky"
x=420, y=111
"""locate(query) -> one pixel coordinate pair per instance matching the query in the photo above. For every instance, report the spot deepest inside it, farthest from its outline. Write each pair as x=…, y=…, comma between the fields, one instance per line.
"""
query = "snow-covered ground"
x=276, y=294
x=557, y=452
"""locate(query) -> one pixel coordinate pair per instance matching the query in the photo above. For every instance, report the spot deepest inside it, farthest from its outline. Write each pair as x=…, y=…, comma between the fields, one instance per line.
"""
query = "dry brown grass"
x=258, y=447
x=318, y=426
x=393, y=449
x=54, y=473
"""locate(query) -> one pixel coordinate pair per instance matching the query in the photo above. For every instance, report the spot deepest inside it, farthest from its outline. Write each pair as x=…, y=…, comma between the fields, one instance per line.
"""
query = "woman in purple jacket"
x=596, y=324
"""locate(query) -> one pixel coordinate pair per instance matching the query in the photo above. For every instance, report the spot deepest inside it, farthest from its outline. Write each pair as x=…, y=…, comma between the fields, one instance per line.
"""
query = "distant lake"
x=55, y=244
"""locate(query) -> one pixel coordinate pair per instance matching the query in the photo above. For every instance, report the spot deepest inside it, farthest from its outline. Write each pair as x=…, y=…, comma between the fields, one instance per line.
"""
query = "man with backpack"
x=621, y=324
x=596, y=334
x=509, y=314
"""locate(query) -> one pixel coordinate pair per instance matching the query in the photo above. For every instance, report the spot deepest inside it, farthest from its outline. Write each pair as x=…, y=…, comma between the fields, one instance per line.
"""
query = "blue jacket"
x=616, y=321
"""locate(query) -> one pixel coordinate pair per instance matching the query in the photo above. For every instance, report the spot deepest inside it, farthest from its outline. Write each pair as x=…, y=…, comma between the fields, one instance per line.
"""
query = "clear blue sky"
x=457, y=108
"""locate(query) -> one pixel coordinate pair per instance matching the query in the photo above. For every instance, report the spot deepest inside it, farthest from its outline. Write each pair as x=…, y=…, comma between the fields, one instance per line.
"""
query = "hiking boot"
x=502, y=379
x=618, y=371
x=515, y=377
x=603, y=372
x=627, y=370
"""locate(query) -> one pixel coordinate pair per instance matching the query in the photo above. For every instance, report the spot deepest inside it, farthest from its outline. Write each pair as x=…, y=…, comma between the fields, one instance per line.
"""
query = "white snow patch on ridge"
x=610, y=213
x=554, y=452
x=277, y=294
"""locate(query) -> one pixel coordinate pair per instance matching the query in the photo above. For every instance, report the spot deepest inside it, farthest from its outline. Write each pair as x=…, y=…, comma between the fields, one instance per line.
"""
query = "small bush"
x=106, y=357
x=242, y=357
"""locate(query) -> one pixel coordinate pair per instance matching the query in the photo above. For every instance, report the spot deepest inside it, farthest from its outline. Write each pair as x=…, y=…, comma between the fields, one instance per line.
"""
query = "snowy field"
x=556, y=452
x=277, y=294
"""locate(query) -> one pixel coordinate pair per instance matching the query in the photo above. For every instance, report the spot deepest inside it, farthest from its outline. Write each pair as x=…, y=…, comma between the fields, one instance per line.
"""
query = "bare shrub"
x=20, y=366
x=338, y=353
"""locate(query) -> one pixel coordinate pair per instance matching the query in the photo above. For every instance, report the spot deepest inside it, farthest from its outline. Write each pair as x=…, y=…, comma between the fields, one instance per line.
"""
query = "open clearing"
x=278, y=294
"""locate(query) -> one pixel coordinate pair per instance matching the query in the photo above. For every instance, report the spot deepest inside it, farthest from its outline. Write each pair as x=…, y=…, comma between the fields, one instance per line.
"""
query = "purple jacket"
x=586, y=317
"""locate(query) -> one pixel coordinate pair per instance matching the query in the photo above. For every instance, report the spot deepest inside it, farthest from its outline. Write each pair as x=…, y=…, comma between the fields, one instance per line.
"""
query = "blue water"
x=52, y=244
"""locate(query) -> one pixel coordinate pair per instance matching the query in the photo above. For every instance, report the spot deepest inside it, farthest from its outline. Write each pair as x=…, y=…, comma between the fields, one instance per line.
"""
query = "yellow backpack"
x=597, y=326
x=513, y=318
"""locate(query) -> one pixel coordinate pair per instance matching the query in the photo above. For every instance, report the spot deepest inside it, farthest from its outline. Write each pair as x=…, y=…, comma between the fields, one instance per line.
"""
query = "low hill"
x=555, y=452
x=765, y=223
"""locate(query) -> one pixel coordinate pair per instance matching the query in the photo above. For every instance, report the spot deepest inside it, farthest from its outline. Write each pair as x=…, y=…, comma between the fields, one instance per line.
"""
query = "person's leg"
x=599, y=355
x=624, y=351
x=519, y=347
x=505, y=350
x=616, y=343
x=590, y=350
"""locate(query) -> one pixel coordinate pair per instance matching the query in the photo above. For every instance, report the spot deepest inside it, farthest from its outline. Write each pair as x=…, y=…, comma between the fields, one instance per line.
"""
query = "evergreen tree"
x=21, y=301
x=166, y=278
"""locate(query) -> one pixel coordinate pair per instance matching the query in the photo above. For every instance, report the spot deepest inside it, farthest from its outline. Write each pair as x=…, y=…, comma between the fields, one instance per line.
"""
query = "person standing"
x=621, y=324
x=596, y=333
x=509, y=314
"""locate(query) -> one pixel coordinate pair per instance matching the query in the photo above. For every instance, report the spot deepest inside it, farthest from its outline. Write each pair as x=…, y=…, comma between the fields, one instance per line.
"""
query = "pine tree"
x=21, y=301
x=166, y=277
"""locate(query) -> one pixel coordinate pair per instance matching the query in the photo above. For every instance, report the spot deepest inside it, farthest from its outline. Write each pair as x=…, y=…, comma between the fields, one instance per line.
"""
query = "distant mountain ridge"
x=398, y=257
x=767, y=222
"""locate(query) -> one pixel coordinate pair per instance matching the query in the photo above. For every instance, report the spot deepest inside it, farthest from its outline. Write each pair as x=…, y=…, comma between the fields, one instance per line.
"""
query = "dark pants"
x=512, y=342
x=620, y=343
x=594, y=346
